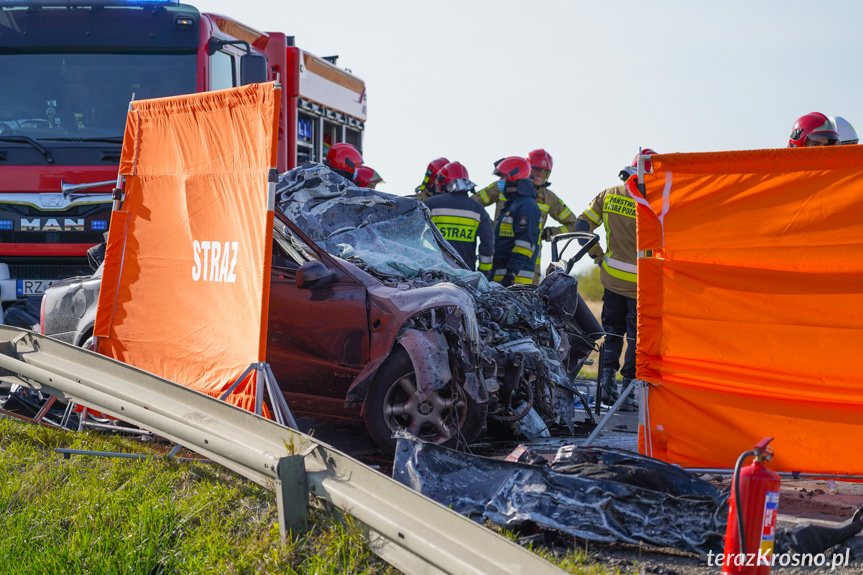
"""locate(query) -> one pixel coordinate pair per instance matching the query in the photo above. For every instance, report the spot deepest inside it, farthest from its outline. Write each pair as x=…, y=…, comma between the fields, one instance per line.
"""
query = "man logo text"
x=52, y=225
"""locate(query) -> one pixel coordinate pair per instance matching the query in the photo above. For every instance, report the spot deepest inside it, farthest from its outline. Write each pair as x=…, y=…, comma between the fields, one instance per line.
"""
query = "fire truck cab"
x=70, y=69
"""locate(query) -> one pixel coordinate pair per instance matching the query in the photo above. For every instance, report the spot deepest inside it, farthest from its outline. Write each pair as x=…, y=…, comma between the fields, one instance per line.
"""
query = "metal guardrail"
x=408, y=530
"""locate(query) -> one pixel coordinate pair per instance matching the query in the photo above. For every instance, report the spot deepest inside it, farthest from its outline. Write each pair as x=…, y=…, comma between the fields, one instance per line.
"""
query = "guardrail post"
x=292, y=495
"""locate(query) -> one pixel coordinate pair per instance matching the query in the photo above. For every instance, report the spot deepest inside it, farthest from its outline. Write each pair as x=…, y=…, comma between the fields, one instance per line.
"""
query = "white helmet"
x=846, y=132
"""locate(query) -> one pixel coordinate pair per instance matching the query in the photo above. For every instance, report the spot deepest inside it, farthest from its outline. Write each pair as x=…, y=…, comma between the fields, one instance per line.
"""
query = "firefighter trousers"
x=619, y=320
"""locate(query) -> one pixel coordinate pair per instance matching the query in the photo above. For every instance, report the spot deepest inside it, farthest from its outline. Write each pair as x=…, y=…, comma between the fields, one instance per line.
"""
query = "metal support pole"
x=68, y=453
x=82, y=419
x=611, y=411
x=237, y=382
x=67, y=414
x=278, y=400
x=598, y=408
x=45, y=408
x=260, y=384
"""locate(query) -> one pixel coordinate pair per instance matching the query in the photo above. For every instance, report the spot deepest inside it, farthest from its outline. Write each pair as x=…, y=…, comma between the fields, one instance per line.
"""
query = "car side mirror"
x=314, y=275
x=253, y=68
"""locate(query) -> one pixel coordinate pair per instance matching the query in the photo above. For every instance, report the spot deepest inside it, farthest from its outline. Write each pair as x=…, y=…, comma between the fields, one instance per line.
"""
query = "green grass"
x=114, y=516
x=105, y=515
x=589, y=284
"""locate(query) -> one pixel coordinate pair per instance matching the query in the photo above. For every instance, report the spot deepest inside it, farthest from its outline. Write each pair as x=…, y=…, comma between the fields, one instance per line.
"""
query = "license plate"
x=33, y=287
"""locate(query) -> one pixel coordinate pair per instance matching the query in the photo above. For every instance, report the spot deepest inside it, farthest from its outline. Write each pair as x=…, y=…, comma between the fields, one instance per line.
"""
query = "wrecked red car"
x=373, y=316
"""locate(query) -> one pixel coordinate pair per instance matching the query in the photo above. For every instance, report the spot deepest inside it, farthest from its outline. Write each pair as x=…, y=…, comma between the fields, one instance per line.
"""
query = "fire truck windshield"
x=75, y=96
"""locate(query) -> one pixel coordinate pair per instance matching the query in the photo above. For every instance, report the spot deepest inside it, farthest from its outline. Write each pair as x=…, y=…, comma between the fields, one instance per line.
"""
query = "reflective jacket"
x=549, y=204
x=461, y=221
x=516, y=244
x=614, y=208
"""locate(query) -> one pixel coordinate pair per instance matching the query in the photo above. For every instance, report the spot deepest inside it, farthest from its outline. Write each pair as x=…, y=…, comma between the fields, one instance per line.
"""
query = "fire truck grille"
x=93, y=238
x=49, y=271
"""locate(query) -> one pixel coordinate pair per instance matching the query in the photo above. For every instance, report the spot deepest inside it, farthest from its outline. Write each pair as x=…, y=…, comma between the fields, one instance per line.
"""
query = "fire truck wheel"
x=448, y=416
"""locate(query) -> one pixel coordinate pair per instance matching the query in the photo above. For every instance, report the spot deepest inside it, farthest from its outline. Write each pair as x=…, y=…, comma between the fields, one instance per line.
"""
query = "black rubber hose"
x=741, y=530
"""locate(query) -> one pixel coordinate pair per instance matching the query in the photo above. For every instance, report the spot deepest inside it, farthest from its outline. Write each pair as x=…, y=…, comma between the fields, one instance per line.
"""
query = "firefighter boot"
x=628, y=403
x=609, y=387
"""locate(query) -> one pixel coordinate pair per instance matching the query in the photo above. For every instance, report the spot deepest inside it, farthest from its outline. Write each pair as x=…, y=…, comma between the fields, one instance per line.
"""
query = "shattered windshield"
x=388, y=236
x=84, y=96
x=290, y=251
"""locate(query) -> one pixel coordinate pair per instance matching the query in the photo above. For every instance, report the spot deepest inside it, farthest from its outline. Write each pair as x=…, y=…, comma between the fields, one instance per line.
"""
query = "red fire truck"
x=69, y=70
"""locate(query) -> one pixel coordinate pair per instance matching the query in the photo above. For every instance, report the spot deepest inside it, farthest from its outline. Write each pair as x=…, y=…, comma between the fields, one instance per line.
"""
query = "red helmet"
x=512, y=168
x=632, y=168
x=813, y=129
x=366, y=177
x=453, y=177
x=648, y=165
x=429, y=180
x=540, y=159
x=344, y=157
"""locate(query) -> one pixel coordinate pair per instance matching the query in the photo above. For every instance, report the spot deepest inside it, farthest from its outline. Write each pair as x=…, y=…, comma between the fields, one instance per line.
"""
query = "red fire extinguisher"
x=752, y=511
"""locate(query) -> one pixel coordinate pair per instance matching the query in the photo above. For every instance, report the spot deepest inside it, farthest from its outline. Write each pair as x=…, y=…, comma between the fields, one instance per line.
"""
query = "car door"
x=318, y=339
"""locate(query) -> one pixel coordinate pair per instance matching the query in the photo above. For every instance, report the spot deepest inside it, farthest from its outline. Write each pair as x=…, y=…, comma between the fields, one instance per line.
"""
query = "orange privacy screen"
x=185, y=285
x=750, y=307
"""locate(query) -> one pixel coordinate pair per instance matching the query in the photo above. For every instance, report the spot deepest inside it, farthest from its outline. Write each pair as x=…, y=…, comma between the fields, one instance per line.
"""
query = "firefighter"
x=549, y=203
x=366, y=177
x=813, y=129
x=516, y=245
x=344, y=159
x=460, y=219
x=428, y=188
x=615, y=209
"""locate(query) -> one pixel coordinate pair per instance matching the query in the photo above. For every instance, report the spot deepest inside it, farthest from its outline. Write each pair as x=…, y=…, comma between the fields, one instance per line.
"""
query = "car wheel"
x=448, y=416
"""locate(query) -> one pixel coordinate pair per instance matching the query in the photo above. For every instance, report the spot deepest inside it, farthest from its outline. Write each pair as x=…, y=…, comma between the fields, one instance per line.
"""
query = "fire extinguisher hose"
x=741, y=529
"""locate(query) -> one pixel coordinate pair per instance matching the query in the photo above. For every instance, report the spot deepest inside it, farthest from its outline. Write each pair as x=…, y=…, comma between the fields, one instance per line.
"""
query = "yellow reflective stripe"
x=484, y=267
x=454, y=212
x=521, y=280
x=594, y=217
x=458, y=220
x=543, y=207
x=619, y=274
x=523, y=251
x=484, y=197
x=565, y=213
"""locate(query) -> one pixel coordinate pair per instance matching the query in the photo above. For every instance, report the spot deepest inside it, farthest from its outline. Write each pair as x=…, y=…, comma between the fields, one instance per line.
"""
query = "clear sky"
x=589, y=81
